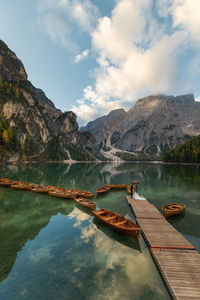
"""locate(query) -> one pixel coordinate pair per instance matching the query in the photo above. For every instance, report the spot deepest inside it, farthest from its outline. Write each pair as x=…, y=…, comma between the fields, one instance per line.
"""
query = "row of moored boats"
x=48, y=189
x=108, y=187
x=82, y=198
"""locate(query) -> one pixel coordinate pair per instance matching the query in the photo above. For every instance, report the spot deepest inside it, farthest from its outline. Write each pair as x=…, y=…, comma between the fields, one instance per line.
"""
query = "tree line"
x=7, y=135
x=188, y=152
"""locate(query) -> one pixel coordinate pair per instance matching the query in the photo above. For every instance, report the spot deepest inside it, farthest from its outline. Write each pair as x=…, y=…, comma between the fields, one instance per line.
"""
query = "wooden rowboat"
x=22, y=186
x=82, y=194
x=116, y=186
x=55, y=188
x=39, y=189
x=5, y=182
x=173, y=209
x=86, y=203
x=102, y=190
x=135, y=181
x=117, y=222
x=61, y=194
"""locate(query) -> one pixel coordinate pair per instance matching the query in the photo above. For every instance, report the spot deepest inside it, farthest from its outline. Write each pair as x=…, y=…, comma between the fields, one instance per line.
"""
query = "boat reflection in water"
x=126, y=240
x=123, y=239
x=84, y=209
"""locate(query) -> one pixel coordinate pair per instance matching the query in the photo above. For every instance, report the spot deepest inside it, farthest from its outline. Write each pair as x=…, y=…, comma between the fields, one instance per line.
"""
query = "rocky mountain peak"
x=151, y=126
x=31, y=125
x=11, y=68
x=66, y=122
x=185, y=98
x=116, y=113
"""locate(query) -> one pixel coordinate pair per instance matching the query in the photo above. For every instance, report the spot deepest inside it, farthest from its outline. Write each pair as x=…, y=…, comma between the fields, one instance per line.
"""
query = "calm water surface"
x=52, y=249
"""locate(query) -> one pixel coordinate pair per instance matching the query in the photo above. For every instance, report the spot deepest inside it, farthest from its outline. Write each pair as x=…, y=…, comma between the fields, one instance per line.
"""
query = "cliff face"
x=103, y=127
x=11, y=68
x=31, y=128
x=152, y=126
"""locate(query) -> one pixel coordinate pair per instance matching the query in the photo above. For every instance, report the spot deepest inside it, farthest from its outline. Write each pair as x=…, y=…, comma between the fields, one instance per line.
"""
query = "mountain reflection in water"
x=54, y=249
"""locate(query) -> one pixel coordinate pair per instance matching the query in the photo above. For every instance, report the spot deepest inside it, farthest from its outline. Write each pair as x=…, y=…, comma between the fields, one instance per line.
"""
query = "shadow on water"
x=126, y=240
x=84, y=209
x=176, y=219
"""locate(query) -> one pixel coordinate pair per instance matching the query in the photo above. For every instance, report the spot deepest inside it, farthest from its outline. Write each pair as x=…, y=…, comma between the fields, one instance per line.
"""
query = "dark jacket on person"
x=131, y=190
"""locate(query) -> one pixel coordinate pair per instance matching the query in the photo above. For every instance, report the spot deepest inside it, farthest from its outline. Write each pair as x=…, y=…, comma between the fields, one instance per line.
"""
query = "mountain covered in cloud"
x=153, y=125
x=31, y=127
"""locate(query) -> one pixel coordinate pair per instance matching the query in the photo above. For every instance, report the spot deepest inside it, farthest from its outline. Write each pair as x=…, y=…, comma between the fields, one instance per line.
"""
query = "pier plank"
x=181, y=272
x=175, y=257
x=143, y=209
x=160, y=233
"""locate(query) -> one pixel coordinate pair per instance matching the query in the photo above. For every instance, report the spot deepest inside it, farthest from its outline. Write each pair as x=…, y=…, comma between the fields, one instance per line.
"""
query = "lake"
x=53, y=249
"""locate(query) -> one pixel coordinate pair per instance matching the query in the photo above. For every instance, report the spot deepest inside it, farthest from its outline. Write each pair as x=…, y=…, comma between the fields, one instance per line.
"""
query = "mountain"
x=31, y=128
x=102, y=127
x=152, y=126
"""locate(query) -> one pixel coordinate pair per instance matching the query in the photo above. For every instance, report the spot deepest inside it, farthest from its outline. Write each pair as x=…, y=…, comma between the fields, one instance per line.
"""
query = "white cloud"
x=186, y=14
x=136, y=55
x=58, y=30
x=197, y=99
x=85, y=14
x=81, y=56
x=79, y=216
x=63, y=19
x=92, y=104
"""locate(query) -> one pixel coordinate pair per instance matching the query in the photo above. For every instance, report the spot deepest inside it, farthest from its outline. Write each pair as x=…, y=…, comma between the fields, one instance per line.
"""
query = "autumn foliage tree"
x=5, y=136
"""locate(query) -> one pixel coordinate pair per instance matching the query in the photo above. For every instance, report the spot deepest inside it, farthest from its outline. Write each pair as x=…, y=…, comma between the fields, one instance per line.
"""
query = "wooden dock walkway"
x=176, y=259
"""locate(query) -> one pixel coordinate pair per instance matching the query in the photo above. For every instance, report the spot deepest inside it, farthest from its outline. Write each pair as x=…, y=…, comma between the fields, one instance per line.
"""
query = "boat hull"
x=102, y=190
x=173, y=210
x=117, y=186
x=82, y=194
x=123, y=225
x=26, y=187
x=86, y=203
x=62, y=195
x=40, y=190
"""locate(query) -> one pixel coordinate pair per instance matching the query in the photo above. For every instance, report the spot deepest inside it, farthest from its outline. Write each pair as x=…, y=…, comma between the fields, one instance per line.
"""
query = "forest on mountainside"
x=7, y=135
x=189, y=152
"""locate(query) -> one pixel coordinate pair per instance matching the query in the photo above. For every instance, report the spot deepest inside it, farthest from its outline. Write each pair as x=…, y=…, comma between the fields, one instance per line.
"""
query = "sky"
x=93, y=56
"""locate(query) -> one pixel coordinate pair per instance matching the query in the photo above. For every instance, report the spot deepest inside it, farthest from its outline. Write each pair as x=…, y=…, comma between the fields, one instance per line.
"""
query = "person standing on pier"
x=131, y=191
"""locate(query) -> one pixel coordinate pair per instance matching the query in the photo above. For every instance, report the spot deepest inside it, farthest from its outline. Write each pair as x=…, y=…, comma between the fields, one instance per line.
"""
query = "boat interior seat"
x=122, y=222
x=110, y=218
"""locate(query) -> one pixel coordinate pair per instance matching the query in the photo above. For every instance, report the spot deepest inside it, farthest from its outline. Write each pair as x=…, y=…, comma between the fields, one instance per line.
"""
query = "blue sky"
x=92, y=56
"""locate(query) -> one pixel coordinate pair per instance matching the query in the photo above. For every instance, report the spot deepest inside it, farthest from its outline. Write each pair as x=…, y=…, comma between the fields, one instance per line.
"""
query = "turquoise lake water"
x=53, y=249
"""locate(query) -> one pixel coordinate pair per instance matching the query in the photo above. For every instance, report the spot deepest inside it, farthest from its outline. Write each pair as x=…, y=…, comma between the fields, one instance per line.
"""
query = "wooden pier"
x=176, y=259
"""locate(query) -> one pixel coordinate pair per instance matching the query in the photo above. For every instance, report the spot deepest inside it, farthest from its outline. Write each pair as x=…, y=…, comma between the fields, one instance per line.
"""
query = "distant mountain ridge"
x=153, y=125
x=31, y=128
